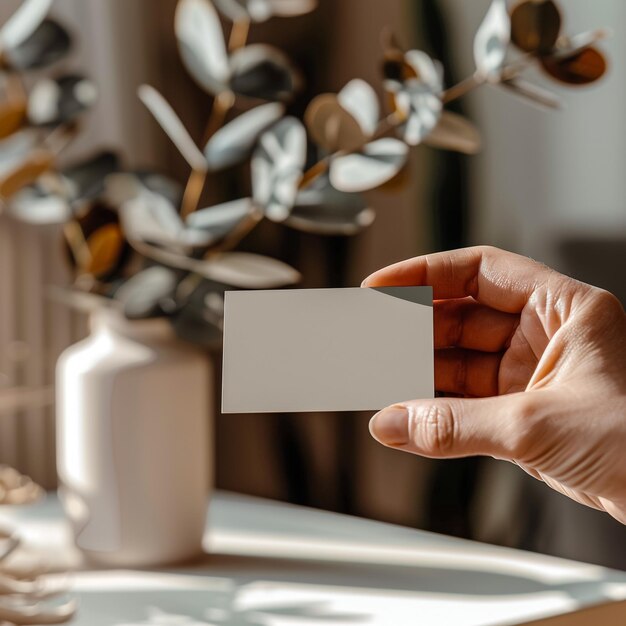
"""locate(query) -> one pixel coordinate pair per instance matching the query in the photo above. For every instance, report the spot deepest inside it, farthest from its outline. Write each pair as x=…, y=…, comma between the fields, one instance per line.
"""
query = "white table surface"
x=271, y=564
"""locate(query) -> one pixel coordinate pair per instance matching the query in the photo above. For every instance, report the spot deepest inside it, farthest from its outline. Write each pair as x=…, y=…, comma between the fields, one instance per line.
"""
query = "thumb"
x=500, y=426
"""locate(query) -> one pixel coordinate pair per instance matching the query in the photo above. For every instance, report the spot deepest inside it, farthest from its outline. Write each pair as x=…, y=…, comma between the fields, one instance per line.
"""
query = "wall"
x=547, y=175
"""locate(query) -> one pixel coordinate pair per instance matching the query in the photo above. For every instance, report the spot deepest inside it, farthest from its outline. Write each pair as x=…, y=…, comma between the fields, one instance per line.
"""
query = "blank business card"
x=326, y=349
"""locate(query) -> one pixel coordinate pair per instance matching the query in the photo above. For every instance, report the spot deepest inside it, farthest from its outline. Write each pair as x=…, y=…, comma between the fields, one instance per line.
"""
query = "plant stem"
x=315, y=171
x=193, y=191
x=238, y=35
x=460, y=89
x=222, y=104
x=77, y=243
x=385, y=125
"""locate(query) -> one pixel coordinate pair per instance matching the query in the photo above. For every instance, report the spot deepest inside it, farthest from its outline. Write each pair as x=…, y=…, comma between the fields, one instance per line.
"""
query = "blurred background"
x=547, y=184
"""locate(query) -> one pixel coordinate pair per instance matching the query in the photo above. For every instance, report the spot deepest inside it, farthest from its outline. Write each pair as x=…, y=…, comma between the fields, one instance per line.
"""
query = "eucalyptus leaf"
x=276, y=167
x=122, y=186
x=149, y=293
x=425, y=69
x=416, y=97
x=262, y=10
x=491, y=41
x=220, y=220
x=360, y=100
x=24, y=171
x=344, y=121
x=239, y=269
x=95, y=243
x=454, y=132
x=172, y=125
x=242, y=10
x=247, y=271
x=581, y=68
x=263, y=72
x=46, y=45
x=23, y=23
x=59, y=101
x=419, y=108
x=376, y=164
x=37, y=205
x=331, y=126
x=12, y=116
x=289, y=8
x=535, y=25
x=106, y=246
x=201, y=44
x=234, y=141
x=152, y=218
x=15, y=148
x=323, y=210
x=162, y=185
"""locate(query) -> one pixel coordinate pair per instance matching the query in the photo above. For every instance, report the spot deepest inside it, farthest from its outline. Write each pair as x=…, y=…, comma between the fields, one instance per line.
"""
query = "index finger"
x=499, y=279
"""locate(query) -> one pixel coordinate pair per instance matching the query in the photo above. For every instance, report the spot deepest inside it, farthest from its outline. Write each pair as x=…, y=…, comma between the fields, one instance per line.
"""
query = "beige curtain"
x=113, y=46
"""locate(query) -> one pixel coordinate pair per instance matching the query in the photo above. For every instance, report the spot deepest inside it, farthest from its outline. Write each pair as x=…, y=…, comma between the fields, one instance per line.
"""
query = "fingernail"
x=391, y=426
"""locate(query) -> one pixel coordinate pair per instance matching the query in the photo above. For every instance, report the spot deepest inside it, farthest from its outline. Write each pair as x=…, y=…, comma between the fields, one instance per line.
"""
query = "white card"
x=351, y=349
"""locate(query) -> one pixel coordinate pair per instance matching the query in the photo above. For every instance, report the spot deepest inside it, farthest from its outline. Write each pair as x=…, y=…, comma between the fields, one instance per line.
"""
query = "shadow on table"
x=241, y=591
x=204, y=608
x=413, y=578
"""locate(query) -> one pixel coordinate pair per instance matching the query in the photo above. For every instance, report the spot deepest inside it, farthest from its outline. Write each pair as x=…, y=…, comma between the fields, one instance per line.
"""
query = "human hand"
x=538, y=362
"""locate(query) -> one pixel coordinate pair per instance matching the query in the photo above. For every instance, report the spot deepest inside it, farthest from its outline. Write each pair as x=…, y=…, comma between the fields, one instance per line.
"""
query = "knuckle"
x=432, y=428
x=607, y=303
x=488, y=250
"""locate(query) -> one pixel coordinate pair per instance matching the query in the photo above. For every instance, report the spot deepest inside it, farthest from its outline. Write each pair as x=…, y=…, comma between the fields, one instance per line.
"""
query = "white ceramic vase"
x=133, y=442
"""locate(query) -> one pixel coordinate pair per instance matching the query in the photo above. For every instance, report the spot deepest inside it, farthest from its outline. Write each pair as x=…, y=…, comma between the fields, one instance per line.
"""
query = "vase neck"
x=115, y=322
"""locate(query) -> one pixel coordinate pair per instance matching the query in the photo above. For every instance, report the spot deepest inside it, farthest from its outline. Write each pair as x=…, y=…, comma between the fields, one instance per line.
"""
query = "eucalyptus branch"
x=196, y=182
x=222, y=104
x=391, y=122
x=508, y=72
